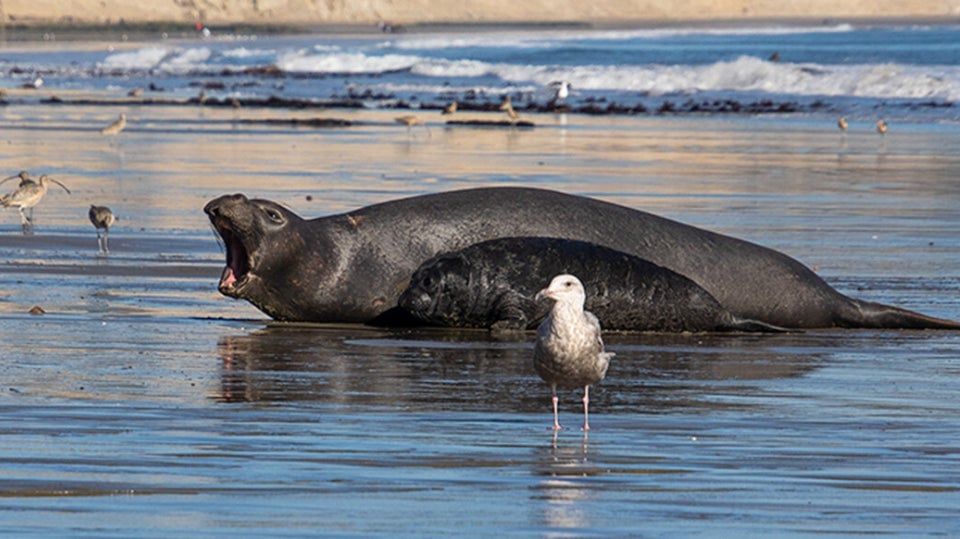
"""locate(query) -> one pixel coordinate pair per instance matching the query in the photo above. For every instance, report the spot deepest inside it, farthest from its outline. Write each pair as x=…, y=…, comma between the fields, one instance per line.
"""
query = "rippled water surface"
x=143, y=403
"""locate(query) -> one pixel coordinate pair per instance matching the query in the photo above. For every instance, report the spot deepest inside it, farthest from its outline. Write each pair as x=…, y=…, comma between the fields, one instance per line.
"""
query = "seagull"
x=450, y=109
x=102, y=218
x=27, y=195
x=507, y=106
x=561, y=90
x=569, y=351
x=881, y=127
x=36, y=83
x=116, y=127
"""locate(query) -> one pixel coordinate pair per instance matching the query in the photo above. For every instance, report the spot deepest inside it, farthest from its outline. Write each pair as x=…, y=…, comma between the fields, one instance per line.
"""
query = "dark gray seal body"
x=352, y=267
x=492, y=285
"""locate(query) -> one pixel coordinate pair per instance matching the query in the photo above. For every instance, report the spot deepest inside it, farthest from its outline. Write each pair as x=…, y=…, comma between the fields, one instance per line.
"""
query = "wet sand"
x=144, y=403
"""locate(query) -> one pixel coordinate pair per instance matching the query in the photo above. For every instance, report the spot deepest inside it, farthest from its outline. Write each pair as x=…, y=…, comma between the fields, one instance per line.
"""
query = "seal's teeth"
x=227, y=278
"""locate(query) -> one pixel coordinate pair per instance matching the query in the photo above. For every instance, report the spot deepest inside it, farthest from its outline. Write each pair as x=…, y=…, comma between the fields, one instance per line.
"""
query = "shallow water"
x=144, y=403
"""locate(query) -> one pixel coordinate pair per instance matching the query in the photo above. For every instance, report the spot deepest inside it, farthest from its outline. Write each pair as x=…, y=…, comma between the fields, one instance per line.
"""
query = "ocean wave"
x=344, y=63
x=141, y=59
x=740, y=74
x=744, y=74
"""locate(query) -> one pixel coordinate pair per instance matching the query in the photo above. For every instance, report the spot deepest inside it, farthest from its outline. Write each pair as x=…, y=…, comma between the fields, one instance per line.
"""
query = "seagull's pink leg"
x=556, y=417
x=586, y=404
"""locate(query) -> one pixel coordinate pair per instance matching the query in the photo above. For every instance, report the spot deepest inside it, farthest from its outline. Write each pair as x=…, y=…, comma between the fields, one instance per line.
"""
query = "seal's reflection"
x=474, y=371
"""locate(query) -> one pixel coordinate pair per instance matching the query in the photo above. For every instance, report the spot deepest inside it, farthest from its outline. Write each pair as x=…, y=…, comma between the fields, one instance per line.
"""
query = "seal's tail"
x=866, y=314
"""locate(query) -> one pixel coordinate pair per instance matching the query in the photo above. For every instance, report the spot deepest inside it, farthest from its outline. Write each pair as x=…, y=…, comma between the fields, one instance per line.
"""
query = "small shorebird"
x=507, y=105
x=410, y=120
x=450, y=109
x=881, y=127
x=136, y=92
x=842, y=124
x=27, y=195
x=116, y=127
x=569, y=351
x=102, y=219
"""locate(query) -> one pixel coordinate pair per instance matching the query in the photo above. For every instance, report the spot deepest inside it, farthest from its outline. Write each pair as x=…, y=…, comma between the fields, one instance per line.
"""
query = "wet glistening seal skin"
x=492, y=284
x=352, y=267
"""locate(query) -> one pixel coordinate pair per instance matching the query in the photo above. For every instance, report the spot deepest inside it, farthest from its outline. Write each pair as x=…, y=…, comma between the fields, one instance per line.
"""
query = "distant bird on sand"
x=450, y=109
x=881, y=127
x=410, y=120
x=102, y=219
x=842, y=124
x=27, y=195
x=116, y=127
x=569, y=351
x=136, y=92
x=561, y=90
x=36, y=83
x=507, y=105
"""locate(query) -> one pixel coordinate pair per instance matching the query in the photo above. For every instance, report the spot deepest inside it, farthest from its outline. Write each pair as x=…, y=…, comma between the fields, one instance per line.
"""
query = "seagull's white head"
x=564, y=289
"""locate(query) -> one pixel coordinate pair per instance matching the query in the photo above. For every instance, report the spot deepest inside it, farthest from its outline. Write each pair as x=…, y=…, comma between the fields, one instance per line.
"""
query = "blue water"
x=145, y=404
x=906, y=73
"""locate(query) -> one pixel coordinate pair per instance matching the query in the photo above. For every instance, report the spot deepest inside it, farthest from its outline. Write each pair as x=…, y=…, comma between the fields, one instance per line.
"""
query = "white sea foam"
x=147, y=58
x=744, y=74
x=344, y=63
x=244, y=52
x=187, y=58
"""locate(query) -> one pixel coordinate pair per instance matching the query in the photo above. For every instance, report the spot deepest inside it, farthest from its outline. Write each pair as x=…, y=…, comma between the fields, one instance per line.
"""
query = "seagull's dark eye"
x=568, y=284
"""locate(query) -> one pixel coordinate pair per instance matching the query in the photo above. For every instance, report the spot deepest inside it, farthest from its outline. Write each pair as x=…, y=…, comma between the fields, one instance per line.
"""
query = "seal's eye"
x=274, y=215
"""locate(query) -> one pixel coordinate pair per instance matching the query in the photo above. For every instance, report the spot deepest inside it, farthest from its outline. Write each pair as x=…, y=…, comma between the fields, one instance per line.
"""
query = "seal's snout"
x=218, y=206
x=414, y=300
x=224, y=213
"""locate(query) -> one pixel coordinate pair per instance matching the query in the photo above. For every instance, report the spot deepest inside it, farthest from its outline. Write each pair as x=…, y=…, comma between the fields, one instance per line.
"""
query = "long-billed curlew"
x=116, y=126
x=27, y=195
x=507, y=105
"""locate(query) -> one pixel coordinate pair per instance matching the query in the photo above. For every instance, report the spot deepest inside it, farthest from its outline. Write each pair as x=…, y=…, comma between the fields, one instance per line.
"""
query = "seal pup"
x=116, y=127
x=491, y=284
x=568, y=352
x=102, y=219
x=27, y=195
x=351, y=267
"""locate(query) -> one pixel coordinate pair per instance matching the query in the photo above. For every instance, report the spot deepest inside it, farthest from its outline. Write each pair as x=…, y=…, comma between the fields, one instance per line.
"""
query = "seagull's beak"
x=545, y=293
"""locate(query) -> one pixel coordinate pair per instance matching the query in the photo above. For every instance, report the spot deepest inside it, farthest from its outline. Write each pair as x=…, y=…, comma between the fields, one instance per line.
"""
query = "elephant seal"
x=352, y=267
x=492, y=285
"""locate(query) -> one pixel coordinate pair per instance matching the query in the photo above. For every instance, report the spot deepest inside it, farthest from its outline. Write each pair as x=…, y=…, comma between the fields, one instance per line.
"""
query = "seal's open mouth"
x=237, y=272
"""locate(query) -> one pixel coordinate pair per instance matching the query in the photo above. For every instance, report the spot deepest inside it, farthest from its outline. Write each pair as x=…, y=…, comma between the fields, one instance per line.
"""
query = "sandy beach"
x=425, y=12
x=145, y=403
x=137, y=401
